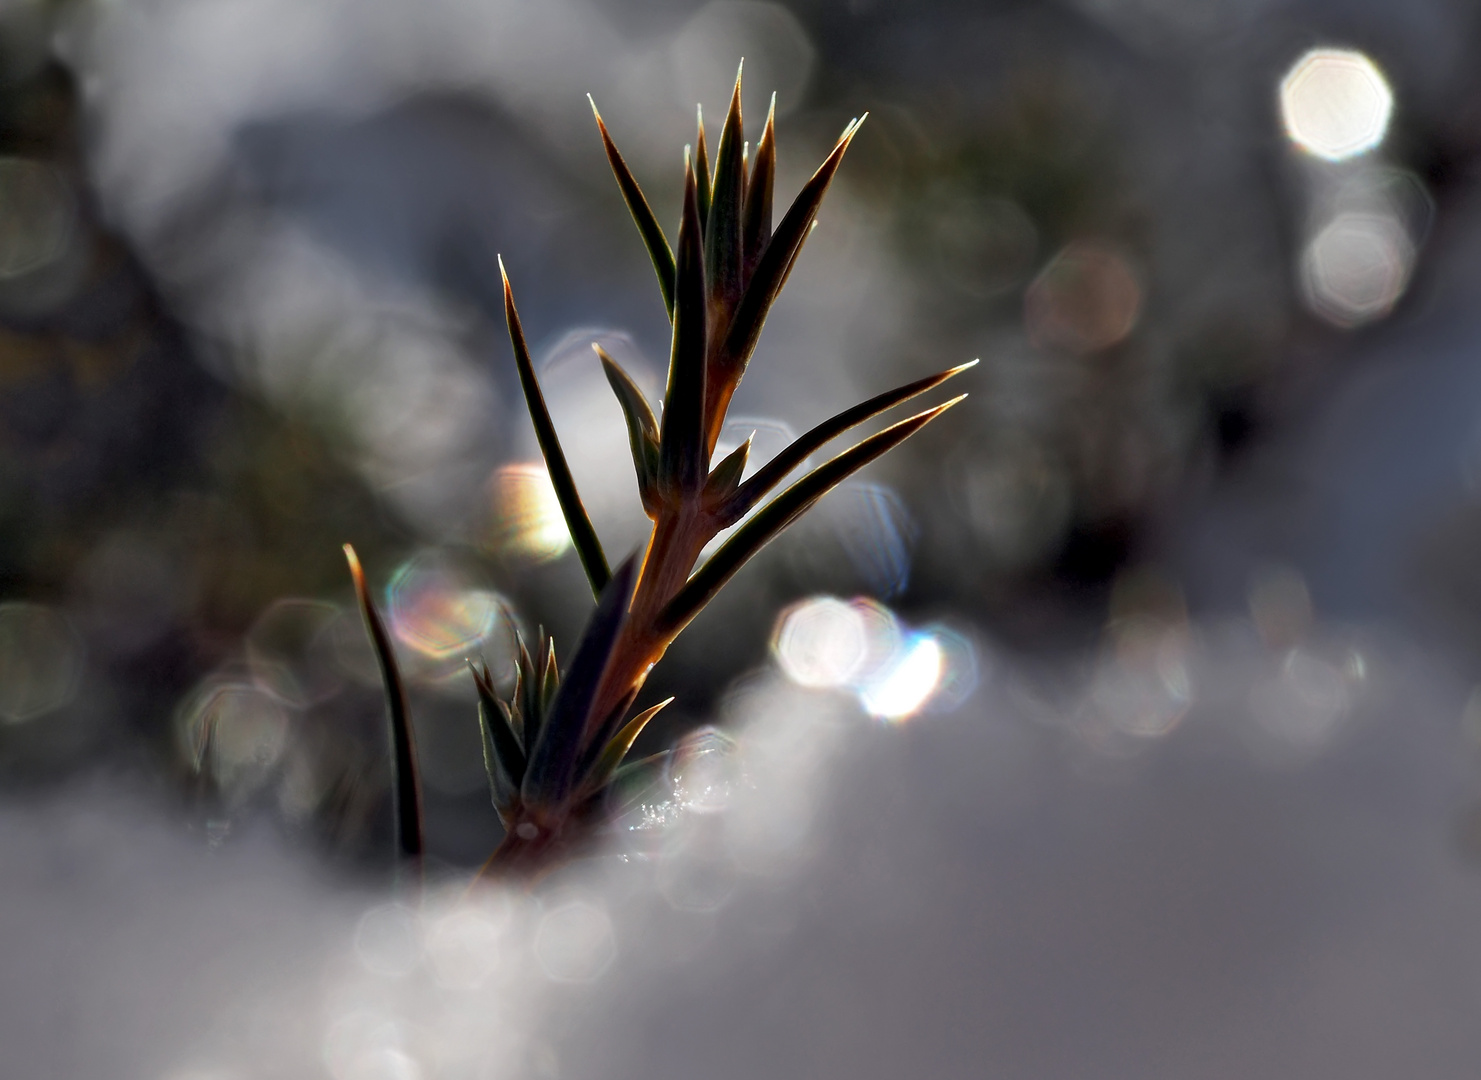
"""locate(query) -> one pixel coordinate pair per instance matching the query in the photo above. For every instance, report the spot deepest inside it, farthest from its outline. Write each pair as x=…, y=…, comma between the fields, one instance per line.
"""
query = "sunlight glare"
x=905, y=686
x=1336, y=104
x=527, y=514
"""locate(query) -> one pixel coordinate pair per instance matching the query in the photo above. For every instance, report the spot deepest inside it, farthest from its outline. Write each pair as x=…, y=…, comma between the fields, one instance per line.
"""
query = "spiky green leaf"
x=617, y=747
x=503, y=758
x=723, y=245
x=776, y=515
x=642, y=428
x=771, y=271
x=583, y=535
x=701, y=167
x=681, y=447
x=552, y=763
x=756, y=227
x=407, y=780
x=725, y=478
x=776, y=470
x=550, y=679
x=637, y=204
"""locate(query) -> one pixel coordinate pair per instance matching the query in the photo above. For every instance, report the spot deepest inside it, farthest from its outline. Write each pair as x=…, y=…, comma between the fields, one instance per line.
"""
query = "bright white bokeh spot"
x=527, y=518
x=1335, y=104
x=822, y=642
x=904, y=687
x=1356, y=268
x=859, y=645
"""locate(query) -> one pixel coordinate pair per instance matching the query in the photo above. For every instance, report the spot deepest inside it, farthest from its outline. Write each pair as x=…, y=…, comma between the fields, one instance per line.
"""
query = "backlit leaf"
x=776, y=470
x=723, y=252
x=681, y=446
x=771, y=271
x=407, y=780
x=552, y=763
x=637, y=204
x=583, y=536
x=776, y=515
x=642, y=429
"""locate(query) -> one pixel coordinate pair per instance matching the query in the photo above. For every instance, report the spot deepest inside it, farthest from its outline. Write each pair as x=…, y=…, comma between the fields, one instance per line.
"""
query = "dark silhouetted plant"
x=554, y=749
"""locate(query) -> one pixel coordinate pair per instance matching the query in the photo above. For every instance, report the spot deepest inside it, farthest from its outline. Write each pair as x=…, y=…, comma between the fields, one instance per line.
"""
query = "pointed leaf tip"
x=552, y=761
x=659, y=252
x=642, y=428
x=618, y=746
x=578, y=523
x=406, y=779
x=773, y=266
x=354, y=560
x=724, y=249
x=779, y=467
x=682, y=450
x=776, y=515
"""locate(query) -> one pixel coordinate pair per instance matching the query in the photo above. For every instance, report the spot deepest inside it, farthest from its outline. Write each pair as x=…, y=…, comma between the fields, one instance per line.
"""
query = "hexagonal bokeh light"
x=1356, y=268
x=1336, y=104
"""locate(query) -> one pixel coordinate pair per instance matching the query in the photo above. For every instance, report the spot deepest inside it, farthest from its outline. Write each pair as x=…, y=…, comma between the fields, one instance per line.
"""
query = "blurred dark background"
x=1222, y=291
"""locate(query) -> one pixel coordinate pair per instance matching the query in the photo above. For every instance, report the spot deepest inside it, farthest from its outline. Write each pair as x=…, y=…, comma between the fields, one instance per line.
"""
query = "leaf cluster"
x=554, y=747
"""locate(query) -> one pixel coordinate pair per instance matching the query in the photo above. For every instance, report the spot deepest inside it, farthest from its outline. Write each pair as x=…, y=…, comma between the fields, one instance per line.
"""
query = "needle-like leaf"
x=725, y=478
x=702, y=167
x=550, y=682
x=771, y=271
x=618, y=746
x=552, y=762
x=408, y=787
x=503, y=760
x=499, y=729
x=776, y=515
x=642, y=214
x=776, y=470
x=756, y=228
x=681, y=448
x=522, y=701
x=642, y=429
x=723, y=246
x=583, y=536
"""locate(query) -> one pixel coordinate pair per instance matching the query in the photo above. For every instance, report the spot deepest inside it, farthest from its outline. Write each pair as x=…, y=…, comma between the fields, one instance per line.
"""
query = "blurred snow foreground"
x=1063, y=877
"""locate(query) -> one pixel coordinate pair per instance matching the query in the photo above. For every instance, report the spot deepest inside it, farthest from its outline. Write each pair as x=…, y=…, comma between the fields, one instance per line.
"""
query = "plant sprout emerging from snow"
x=555, y=749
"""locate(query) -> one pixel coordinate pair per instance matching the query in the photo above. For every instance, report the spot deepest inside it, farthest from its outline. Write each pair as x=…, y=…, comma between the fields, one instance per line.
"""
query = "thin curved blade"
x=701, y=167
x=407, y=780
x=725, y=478
x=681, y=449
x=642, y=428
x=637, y=205
x=618, y=746
x=723, y=246
x=776, y=515
x=771, y=272
x=503, y=759
x=583, y=535
x=552, y=764
x=775, y=471
x=756, y=227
